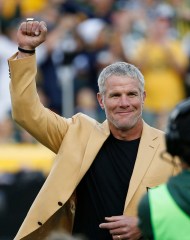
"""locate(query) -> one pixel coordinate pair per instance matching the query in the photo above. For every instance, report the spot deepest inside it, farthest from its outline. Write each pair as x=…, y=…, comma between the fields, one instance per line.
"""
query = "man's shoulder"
x=88, y=123
x=152, y=130
x=84, y=118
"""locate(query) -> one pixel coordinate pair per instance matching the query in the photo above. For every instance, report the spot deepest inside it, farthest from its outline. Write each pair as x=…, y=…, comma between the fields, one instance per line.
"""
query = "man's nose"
x=124, y=101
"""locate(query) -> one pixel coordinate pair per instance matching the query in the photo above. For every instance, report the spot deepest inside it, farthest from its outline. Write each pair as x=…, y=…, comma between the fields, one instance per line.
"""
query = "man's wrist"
x=23, y=50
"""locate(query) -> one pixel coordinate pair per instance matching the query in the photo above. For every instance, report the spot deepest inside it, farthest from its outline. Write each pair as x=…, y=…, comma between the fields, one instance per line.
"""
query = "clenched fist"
x=31, y=34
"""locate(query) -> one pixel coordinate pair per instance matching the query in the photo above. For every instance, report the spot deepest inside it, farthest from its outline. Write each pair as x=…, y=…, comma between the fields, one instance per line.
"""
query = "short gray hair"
x=120, y=69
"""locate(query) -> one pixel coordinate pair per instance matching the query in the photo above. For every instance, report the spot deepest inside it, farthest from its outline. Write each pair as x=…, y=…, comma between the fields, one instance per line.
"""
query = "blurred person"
x=86, y=102
x=163, y=63
x=60, y=235
x=129, y=26
x=164, y=211
x=81, y=68
x=61, y=47
x=182, y=16
x=7, y=45
x=101, y=169
x=102, y=9
x=92, y=37
x=114, y=50
x=22, y=136
x=7, y=130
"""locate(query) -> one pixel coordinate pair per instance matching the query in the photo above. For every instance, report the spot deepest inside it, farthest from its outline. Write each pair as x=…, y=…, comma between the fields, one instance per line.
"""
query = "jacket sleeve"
x=27, y=110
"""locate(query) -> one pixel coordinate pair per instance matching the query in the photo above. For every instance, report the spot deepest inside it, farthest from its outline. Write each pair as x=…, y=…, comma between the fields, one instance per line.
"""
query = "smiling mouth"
x=124, y=112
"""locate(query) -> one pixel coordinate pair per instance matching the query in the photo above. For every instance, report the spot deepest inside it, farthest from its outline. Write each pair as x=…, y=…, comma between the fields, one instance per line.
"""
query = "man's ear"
x=144, y=96
x=100, y=100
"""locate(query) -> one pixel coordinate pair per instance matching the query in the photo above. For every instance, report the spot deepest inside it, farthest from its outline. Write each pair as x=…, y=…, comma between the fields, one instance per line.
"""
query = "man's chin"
x=124, y=126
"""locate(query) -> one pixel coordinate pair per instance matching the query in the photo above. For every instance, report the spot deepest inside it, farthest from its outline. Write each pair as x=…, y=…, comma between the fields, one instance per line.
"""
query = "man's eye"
x=115, y=95
x=132, y=94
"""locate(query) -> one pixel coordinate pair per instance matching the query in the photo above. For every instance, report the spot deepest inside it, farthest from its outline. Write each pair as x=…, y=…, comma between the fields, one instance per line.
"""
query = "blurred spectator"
x=92, y=38
x=60, y=49
x=22, y=136
x=102, y=9
x=163, y=62
x=11, y=133
x=182, y=16
x=86, y=102
x=124, y=19
x=7, y=130
x=7, y=45
x=59, y=235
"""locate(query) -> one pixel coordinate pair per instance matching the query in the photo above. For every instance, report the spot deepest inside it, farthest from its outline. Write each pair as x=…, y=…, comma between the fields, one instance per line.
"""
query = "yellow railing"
x=15, y=157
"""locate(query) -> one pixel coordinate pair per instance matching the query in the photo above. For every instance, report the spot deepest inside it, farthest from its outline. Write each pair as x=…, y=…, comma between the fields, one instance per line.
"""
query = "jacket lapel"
x=96, y=140
x=147, y=148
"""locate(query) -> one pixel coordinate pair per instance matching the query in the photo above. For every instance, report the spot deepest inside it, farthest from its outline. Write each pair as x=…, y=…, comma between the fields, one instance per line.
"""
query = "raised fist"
x=31, y=34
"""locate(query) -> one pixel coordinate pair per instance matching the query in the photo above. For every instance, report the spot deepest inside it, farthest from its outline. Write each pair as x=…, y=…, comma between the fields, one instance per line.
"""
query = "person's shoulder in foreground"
x=169, y=203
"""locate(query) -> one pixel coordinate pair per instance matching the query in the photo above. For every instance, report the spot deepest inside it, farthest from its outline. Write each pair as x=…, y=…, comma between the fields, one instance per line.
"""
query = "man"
x=105, y=167
x=164, y=211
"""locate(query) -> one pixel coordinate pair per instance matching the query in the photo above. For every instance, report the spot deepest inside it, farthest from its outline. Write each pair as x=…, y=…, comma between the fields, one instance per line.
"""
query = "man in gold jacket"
x=106, y=167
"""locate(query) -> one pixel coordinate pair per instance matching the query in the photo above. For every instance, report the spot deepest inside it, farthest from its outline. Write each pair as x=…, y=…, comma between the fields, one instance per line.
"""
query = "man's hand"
x=122, y=227
x=31, y=34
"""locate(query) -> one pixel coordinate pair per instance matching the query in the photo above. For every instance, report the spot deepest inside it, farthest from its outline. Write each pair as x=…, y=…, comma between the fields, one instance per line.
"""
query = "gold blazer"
x=76, y=141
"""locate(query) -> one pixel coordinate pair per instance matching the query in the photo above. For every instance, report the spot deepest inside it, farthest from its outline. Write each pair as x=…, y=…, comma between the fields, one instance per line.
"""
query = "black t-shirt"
x=102, y=191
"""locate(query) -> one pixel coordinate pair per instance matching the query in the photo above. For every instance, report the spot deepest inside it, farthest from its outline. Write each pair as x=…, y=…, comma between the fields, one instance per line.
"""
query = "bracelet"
x=25, y=50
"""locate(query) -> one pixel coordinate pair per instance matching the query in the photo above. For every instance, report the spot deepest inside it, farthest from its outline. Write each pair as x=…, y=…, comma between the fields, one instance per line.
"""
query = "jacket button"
x=39, y=223
x=72, y=206
x=60, y=203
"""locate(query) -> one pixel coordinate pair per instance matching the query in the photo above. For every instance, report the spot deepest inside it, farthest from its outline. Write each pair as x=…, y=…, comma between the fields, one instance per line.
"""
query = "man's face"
x=122, y=102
